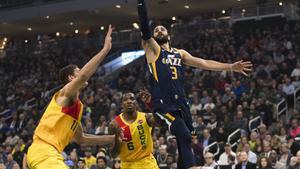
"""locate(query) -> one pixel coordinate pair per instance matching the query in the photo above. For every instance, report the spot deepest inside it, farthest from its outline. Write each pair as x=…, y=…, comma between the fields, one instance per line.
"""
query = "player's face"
x=161, y=35
x=76, y=74
x=129, y=102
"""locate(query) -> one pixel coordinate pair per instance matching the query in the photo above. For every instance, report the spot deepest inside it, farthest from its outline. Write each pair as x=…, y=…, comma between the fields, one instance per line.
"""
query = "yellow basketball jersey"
x=137, y=143
x=58, y=124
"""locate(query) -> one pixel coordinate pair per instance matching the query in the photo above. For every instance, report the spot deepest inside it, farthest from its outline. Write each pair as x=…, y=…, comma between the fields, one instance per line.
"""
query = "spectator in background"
x=240, y=121
x=21, y=122
x=212, y=123
x=207, y=139
x=264, y=163
x=199, y=126
x=274, y=161
x=2, y=166
x=102, y=126
x=209, y=161
x=116, y=163
x=221, y=136
x=89, y=158
x=266, y=149
x=209, y=104
x=196, y=105
x=288, y=89
x=239, y=89
x=285, y=155
x=295, y=128
x=101, y=164
x=282, y=135
x=262, y=131
x=225, y=157
x=18, y=155
x=89, y=127
x=3, y=125
x=244, y=163
x=252, y=157
x=295, y=75
x=162, y=157
x=207, y=115
x=252, y=141
x=81, y=163
x=295, y=163
x=296, y=71
x=16, y=166
x=240, y=147
x=10, y=161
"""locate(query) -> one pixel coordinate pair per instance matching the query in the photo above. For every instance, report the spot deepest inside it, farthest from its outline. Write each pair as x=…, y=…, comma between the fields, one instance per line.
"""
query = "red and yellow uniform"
x=54, y=132
x=137, y=145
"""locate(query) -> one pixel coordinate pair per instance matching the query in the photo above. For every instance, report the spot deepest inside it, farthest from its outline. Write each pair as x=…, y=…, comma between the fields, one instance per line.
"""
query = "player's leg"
x=180, y=163
x=41, y=156
x=148, y=162
x=180, y=129
x=53, y=162
x=184, y=142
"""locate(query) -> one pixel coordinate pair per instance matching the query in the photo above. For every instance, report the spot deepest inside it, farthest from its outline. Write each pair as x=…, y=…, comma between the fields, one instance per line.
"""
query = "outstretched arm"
x=70, y=90
x=89, y=139
x=150, y=46
x=239, y=67
x=113, y=128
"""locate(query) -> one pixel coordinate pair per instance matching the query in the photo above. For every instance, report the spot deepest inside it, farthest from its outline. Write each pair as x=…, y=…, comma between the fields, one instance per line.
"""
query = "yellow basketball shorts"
x=44, y=156
x=148, y=162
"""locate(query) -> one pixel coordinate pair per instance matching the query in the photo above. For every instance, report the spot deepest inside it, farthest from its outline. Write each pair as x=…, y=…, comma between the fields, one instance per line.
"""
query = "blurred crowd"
x=220, y=102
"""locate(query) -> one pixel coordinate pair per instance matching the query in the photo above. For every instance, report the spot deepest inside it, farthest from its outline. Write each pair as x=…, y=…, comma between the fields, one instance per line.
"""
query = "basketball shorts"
x=44, y=156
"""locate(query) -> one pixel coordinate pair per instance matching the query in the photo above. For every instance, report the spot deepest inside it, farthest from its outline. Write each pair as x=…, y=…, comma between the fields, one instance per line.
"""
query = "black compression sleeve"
x=143, y=17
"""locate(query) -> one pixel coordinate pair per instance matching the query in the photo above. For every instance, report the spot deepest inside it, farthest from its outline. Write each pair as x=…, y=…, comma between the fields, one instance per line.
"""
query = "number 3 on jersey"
x=174, y=72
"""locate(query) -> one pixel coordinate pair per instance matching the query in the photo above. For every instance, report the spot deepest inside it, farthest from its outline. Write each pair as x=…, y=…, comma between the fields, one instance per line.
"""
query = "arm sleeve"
x=143, y=18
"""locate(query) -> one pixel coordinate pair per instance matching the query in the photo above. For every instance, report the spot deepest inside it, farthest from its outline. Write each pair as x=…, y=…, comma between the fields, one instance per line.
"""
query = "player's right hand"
x=108, y=39
x=145, y=95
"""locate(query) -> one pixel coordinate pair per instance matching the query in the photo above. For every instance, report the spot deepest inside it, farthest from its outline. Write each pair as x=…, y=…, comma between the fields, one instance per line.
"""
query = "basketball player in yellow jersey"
x=61, y=121
x=135, y=150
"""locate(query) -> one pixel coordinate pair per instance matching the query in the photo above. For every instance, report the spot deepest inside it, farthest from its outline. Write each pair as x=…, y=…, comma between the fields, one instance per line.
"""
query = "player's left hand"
x=242, y=67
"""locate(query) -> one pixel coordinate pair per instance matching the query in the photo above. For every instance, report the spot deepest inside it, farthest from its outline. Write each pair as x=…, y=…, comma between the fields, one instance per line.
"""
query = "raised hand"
x=242, y=67
x=107, y=41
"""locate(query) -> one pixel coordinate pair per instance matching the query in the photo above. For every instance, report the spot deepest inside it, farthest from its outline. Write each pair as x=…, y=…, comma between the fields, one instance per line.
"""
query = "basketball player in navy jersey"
x=167, y=84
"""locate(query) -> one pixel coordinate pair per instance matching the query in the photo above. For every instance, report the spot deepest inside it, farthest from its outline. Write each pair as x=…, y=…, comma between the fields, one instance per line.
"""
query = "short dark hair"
x=65, y=72
x=101, y=157
x=81, y=159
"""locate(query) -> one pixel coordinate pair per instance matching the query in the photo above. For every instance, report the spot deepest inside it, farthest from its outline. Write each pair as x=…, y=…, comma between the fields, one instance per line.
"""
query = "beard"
x=161, y=39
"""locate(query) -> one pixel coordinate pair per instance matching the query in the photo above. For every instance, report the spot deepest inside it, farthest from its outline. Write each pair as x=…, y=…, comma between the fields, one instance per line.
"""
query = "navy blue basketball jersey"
x=167, y=81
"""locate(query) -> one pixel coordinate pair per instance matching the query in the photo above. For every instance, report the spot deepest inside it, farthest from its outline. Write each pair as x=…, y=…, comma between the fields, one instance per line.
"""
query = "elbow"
x=83, y=78
x=79, y=140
